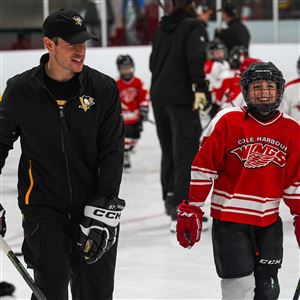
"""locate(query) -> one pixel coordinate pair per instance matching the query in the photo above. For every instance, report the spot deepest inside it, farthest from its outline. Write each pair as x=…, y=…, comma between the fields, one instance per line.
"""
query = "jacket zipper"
x=27, y=196
x=63, y=130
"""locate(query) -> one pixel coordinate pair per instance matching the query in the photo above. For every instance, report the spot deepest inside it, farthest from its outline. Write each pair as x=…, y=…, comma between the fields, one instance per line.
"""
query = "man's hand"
x=297, y=229
x=2, y=221
x=189, y=224
x=99, y=227
x=202, y=101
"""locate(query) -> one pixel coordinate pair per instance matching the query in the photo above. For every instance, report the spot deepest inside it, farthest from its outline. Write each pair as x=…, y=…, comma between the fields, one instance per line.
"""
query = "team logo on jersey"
x=77, y=20
x=86, y=102
x=259, y=155
x=129, y=94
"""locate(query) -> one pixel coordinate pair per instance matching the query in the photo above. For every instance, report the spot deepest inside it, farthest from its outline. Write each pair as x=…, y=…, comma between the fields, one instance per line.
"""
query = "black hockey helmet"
x=216, y=45
x=124, y=60
x=236, y=56
x=298, y=65
x=258, y=72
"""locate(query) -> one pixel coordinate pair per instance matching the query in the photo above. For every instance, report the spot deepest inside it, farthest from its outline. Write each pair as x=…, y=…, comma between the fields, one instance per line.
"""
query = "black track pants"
x=50, y=249
x=178, y=129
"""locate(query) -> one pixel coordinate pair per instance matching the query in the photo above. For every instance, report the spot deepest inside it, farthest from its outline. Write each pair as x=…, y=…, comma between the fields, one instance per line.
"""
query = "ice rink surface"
x=150, y=264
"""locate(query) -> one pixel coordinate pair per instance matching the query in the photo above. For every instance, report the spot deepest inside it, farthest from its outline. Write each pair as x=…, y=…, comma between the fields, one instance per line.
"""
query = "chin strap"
x=257, y=111
x=256, y=114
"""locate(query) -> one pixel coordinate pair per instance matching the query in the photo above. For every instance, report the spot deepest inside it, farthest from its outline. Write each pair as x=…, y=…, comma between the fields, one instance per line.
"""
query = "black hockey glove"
x=144, y=110
x=2, y=221
x=99, y=227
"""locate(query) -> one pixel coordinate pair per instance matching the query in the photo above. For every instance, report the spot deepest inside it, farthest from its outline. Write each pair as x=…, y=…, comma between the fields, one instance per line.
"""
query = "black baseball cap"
x=68, y=25
x=229, y=9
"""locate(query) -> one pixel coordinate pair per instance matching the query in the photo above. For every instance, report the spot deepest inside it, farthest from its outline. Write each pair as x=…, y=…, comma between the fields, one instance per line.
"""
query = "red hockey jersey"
x=251, y=166
x=290, y=103
x=132, y=95
x=230, y=88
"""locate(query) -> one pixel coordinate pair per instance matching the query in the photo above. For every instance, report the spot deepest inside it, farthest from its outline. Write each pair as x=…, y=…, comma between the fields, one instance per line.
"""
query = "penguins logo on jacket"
x=86, y=102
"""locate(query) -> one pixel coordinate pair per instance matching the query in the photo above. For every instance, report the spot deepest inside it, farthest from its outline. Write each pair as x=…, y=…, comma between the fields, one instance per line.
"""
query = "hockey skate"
x=173, y=226
x=126, y=164
x=205, y=223
x=173, y=214
x=168, y=203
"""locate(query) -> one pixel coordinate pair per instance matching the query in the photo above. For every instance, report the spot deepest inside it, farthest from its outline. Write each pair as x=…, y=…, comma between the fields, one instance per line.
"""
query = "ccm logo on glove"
x=108, y=214
x=99, y=227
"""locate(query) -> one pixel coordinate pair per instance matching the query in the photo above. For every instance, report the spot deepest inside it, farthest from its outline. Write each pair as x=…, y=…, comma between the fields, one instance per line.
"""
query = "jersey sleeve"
x=209, y=161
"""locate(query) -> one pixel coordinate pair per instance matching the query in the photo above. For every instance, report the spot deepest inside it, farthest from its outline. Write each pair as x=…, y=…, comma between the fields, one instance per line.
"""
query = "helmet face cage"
x=298, y=66
x=237, y=56
x=258, y=73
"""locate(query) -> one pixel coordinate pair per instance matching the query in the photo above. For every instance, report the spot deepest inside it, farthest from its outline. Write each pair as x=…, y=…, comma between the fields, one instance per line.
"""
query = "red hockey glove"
x=297, y=229
x=189, y=224
x=99, y=227
x=2, y=221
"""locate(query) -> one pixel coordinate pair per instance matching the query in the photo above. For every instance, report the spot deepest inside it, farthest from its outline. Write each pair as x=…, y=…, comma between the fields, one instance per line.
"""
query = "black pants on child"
x=50, y=249
x=241, y=249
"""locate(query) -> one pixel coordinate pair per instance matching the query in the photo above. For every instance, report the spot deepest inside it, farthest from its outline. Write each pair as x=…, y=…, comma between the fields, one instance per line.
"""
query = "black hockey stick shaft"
x=150, y=121
x=20, y=268
x=297, y=291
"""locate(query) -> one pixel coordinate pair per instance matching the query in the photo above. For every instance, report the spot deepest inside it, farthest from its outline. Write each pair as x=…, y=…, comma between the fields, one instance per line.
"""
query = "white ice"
x=150, y=264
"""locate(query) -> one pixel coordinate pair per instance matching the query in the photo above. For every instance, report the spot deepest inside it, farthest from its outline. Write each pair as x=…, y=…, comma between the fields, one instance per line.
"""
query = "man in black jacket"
x=68, y=118
x=178, y=90
x=237, y=33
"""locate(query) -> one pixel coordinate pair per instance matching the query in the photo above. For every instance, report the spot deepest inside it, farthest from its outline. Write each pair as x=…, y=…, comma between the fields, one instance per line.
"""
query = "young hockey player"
x=134, y=104
x=215, y=64
x=250, y=157
x=229, y=90
x=291, y=98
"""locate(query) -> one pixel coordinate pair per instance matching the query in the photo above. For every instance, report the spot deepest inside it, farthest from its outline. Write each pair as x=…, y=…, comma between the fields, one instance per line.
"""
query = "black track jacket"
x=70, y=155
x=177, y=59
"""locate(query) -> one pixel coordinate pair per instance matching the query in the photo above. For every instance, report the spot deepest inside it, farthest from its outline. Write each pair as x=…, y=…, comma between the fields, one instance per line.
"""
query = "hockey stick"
x=150, y=121
x=297, y=291
x=13, y=258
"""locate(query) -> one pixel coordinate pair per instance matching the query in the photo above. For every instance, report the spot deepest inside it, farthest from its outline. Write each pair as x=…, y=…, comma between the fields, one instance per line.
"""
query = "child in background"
x=135, y=105
x=215, y=64
x=291, y=98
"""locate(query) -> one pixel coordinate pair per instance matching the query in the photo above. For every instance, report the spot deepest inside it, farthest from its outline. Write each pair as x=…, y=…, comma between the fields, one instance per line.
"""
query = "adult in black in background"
x=178, y=91
x=237, y=33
